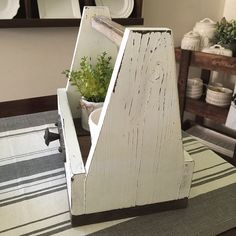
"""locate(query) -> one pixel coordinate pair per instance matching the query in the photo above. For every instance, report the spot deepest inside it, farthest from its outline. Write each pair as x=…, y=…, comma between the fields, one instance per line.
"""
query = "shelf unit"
x=28, y=16
x=208, y=63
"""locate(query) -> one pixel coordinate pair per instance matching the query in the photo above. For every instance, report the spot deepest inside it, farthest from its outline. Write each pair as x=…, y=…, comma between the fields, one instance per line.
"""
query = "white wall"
x=180, y=16
x=32, y=59
x=229, y=13
x=230, y=9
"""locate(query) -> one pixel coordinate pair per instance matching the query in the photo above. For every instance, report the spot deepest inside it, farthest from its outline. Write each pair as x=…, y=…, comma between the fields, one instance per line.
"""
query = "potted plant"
x=225, y=34
x=92, y=82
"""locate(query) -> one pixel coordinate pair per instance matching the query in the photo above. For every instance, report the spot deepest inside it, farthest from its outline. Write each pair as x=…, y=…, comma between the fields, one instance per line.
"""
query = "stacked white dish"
x=59, y=9
x=194, y=88
x=219, y=96
x=118, y=8
x=8, y=8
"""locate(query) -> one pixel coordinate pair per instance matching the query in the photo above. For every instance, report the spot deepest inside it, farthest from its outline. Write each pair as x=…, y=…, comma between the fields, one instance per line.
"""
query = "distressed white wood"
x=74, y=166
x=187, y=176
x=73, y=153
x=137, y=156
x=89, y=43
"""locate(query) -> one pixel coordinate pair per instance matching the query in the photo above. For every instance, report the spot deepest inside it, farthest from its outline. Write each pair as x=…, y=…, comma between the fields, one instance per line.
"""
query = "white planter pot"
x=86, y=109
x=93, y=123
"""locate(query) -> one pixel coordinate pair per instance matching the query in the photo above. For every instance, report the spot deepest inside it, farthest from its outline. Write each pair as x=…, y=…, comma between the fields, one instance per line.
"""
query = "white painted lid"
x=206, y=23
x=218, y=49
x=192, y=34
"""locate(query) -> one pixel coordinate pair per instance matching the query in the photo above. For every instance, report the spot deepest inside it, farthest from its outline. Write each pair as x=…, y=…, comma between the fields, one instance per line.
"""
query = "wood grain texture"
x=185, y=59
x=74, y=166
x=211, y=61
x=140, y=139
x=108, y=28
x=203, y=109
x=138, y=5
x=136, y=157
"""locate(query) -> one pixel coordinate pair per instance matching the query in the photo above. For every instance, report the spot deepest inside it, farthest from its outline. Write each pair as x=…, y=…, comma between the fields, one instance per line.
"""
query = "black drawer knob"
x=49, y=136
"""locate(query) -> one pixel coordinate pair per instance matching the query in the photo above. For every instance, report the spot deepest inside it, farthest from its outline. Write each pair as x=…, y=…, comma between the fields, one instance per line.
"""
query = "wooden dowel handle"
x=109, y=28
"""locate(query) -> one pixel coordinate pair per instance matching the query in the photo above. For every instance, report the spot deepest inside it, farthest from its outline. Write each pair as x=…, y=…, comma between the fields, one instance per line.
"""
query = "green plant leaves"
x=92, y=81
x=225, y=32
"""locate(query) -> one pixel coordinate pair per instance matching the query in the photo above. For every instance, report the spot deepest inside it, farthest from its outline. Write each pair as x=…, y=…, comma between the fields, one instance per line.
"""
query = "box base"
x=78, y=220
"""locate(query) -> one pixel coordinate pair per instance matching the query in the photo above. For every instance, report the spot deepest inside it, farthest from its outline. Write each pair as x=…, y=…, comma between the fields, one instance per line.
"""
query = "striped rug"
x=33, y=195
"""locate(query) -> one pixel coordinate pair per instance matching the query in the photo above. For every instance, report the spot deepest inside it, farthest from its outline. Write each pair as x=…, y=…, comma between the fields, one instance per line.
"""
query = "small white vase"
x=93, y=123
x=191, y=41
x=86, y=108
x=206, y=28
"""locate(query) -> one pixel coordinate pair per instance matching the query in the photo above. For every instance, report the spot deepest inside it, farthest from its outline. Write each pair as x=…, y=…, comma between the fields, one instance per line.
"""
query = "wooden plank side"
x=90, y=43
x=73, y=153
x=160, y=176
x=75, y=171
x=184, y=190
x=110, y=172
x=138, y=157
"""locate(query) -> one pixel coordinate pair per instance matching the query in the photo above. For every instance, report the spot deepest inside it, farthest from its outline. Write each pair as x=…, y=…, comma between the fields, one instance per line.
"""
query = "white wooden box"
x=136, y=164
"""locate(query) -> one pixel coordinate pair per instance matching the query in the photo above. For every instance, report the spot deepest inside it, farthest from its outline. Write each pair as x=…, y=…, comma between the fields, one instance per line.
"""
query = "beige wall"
x=230, y=10
x=180, y=15
x=32, y=59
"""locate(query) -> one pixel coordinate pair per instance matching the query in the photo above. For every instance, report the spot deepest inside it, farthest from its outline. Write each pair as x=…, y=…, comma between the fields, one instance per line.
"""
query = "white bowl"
x=219, y=96
x=93, y=122
x=194, y=83
x=220, y=91
x=194, y=90
x=217, y=103
x=194, y=95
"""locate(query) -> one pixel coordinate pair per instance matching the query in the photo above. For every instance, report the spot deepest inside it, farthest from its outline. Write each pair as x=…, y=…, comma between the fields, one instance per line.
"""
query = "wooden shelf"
x=203, y=109
x=207, y=62
x=210, y=61
x=28, y=16
x=31, y=23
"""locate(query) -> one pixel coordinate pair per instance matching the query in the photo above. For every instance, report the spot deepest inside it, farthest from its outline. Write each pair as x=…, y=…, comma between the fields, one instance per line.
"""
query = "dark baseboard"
x=230, y=232
x=27, y=106
x=78, y=220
